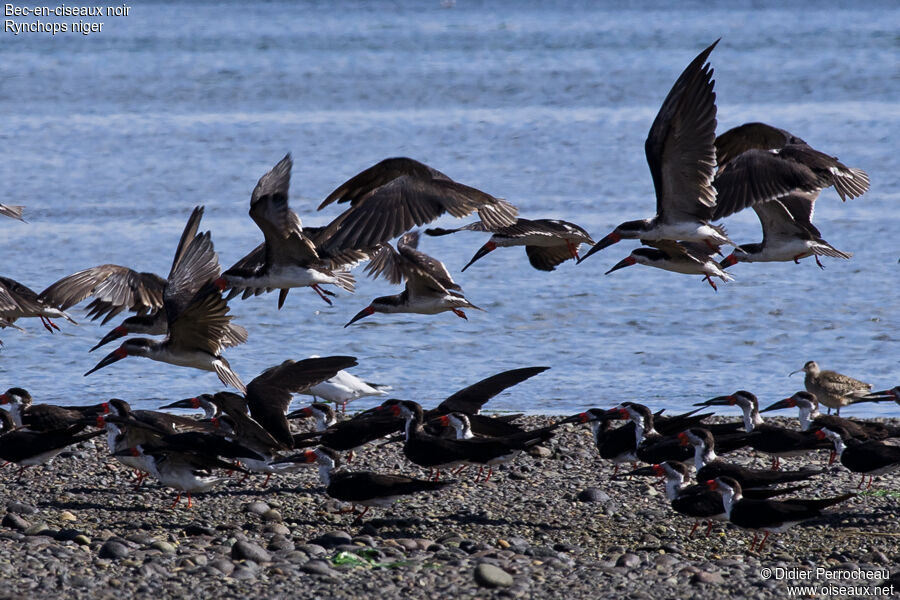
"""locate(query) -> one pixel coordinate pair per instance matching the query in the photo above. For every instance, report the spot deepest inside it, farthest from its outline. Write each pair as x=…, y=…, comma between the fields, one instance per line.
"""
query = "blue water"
x=110, y=139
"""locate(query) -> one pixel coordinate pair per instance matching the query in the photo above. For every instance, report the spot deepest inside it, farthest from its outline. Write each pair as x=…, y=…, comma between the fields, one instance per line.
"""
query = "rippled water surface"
x=110, y=139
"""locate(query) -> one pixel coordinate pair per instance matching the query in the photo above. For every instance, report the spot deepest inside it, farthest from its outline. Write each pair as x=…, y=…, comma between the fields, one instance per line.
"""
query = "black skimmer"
x=548, y=242
x=771, y=516
x=116, y=288
x=397, y=194
x=366, y=488
x=696, y=501
x=865, y=457
x=690, y=258
x=892, y=394
x=759, y=163
x=429, y=287
x=209, y=409
x=197, y=318
x=46, y=417
x=26, y=448
x=775, y=441
x=18, y=301
x=322, y=414
x=12, y=211
x=709, y=466
x=811, y=418
x=832, y=389
x=681, y=153
x=189, y=473
x=344, y=387
x=788, y=233
x=289, y=257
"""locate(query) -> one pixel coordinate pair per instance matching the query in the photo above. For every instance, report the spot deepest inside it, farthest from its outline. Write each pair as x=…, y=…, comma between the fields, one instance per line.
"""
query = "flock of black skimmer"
x=699, y=178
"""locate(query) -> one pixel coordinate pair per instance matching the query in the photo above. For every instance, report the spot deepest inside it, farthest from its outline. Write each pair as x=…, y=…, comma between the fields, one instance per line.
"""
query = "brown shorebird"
x=833, y=389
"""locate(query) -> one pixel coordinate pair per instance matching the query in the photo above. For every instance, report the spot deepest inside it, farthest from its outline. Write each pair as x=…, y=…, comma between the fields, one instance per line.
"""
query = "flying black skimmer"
x=709, y=466
x=12, y=211
x=681, y=153
x=771, y=516
x=548, y=242
x=811, y=418
x=115, y=288
x=197, y=318
x=865, y=457
x=344, y=387
x=429, y=287
x=788, y=233
x=289, y=257
x=759, y=163
x=18, y=301
x=690, y=258
x=695, y=501
x=777, y=442
x=189, y=473
x=832, y=389
x=398, y=194
x=46, y=417
x=366, y=488
x=26, y=448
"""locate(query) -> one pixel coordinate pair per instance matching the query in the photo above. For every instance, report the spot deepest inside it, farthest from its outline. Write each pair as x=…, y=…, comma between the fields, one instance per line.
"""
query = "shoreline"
x=554, y=525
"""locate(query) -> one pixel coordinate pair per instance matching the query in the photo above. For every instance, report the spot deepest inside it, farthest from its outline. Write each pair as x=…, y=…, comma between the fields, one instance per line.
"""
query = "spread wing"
x=680, y=147
x=14, y=296
x=195, y=264
x=407, y=263
x=751, y=136
x=114, y=289
x=269, y=394
x=398, y=194
x=469, y=400
x=11, y=211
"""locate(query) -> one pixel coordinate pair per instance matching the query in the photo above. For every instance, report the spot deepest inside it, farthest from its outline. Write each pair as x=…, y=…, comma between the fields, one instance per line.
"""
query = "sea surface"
x=111, y=138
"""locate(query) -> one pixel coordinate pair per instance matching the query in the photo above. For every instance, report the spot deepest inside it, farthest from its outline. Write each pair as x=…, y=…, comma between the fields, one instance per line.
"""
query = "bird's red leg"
x=709, y=525
x=490, y=472
x=321, y=293
x=753, y=543
x=344, y=407
x=831, y=457
x=693, y=529
x=711, y=282
x=573, y=248
x=616, y=469
x=460, y=469
x=19, y=473
x=177, y=500
x=437, y=474
x=459, y=313
x=765, y=537
x=818, y=262
x=359, y=517
x=49, y=324
x=268, y=477
x=797, y=259
x=480, y=471
x=870, y=483
x=862, y=480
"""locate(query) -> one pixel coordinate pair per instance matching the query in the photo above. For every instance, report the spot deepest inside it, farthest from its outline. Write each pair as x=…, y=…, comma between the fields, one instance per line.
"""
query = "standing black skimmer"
x=366, y=488
x=696, y=501
x=26, y=448
x=770, y=516
x=759, y=163
x=18, y=301
x=811, y=418
x=12, y=211
x=681, y=153
x=116, y=288
x=429, y=287
x=322, y=414
x=46, y=417
x=197, y=318
x=865, y=457
x=397, y=194
x=690, y=258
x=709, y=466
x=344, y=387
x=289, y=257
x=832, y=389
x=189, y=473
x=892, y=394
x=775, y=441
x=548, y=242
x=788, y=233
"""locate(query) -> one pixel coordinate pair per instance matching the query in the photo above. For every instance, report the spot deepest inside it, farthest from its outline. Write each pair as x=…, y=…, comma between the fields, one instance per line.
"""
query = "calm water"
x=110, y=139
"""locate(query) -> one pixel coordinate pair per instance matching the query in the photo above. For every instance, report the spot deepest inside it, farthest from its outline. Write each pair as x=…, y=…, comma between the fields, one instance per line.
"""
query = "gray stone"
x=707, y=577
x=14, y=521
x=490, y=576
x=256, y=508
x=243, y=550
x=272, y=516
x=20, y=508
x=319, y=567
x=593, y=494
x=332, y=539
x=628, y=560
x=113, y=549
x=164, y=547
x=223, y=565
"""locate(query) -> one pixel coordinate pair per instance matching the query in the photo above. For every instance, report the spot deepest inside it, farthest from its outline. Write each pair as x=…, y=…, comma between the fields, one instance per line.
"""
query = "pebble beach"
x=551, y=525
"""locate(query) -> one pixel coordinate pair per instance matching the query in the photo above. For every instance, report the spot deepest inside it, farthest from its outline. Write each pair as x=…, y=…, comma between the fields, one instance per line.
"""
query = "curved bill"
x=606, y=242
x=187, y=403
x=363, y=313
x=114, y=356
x=625, y=262
x=115, y=334
x=483, y=251
x=728, y=261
